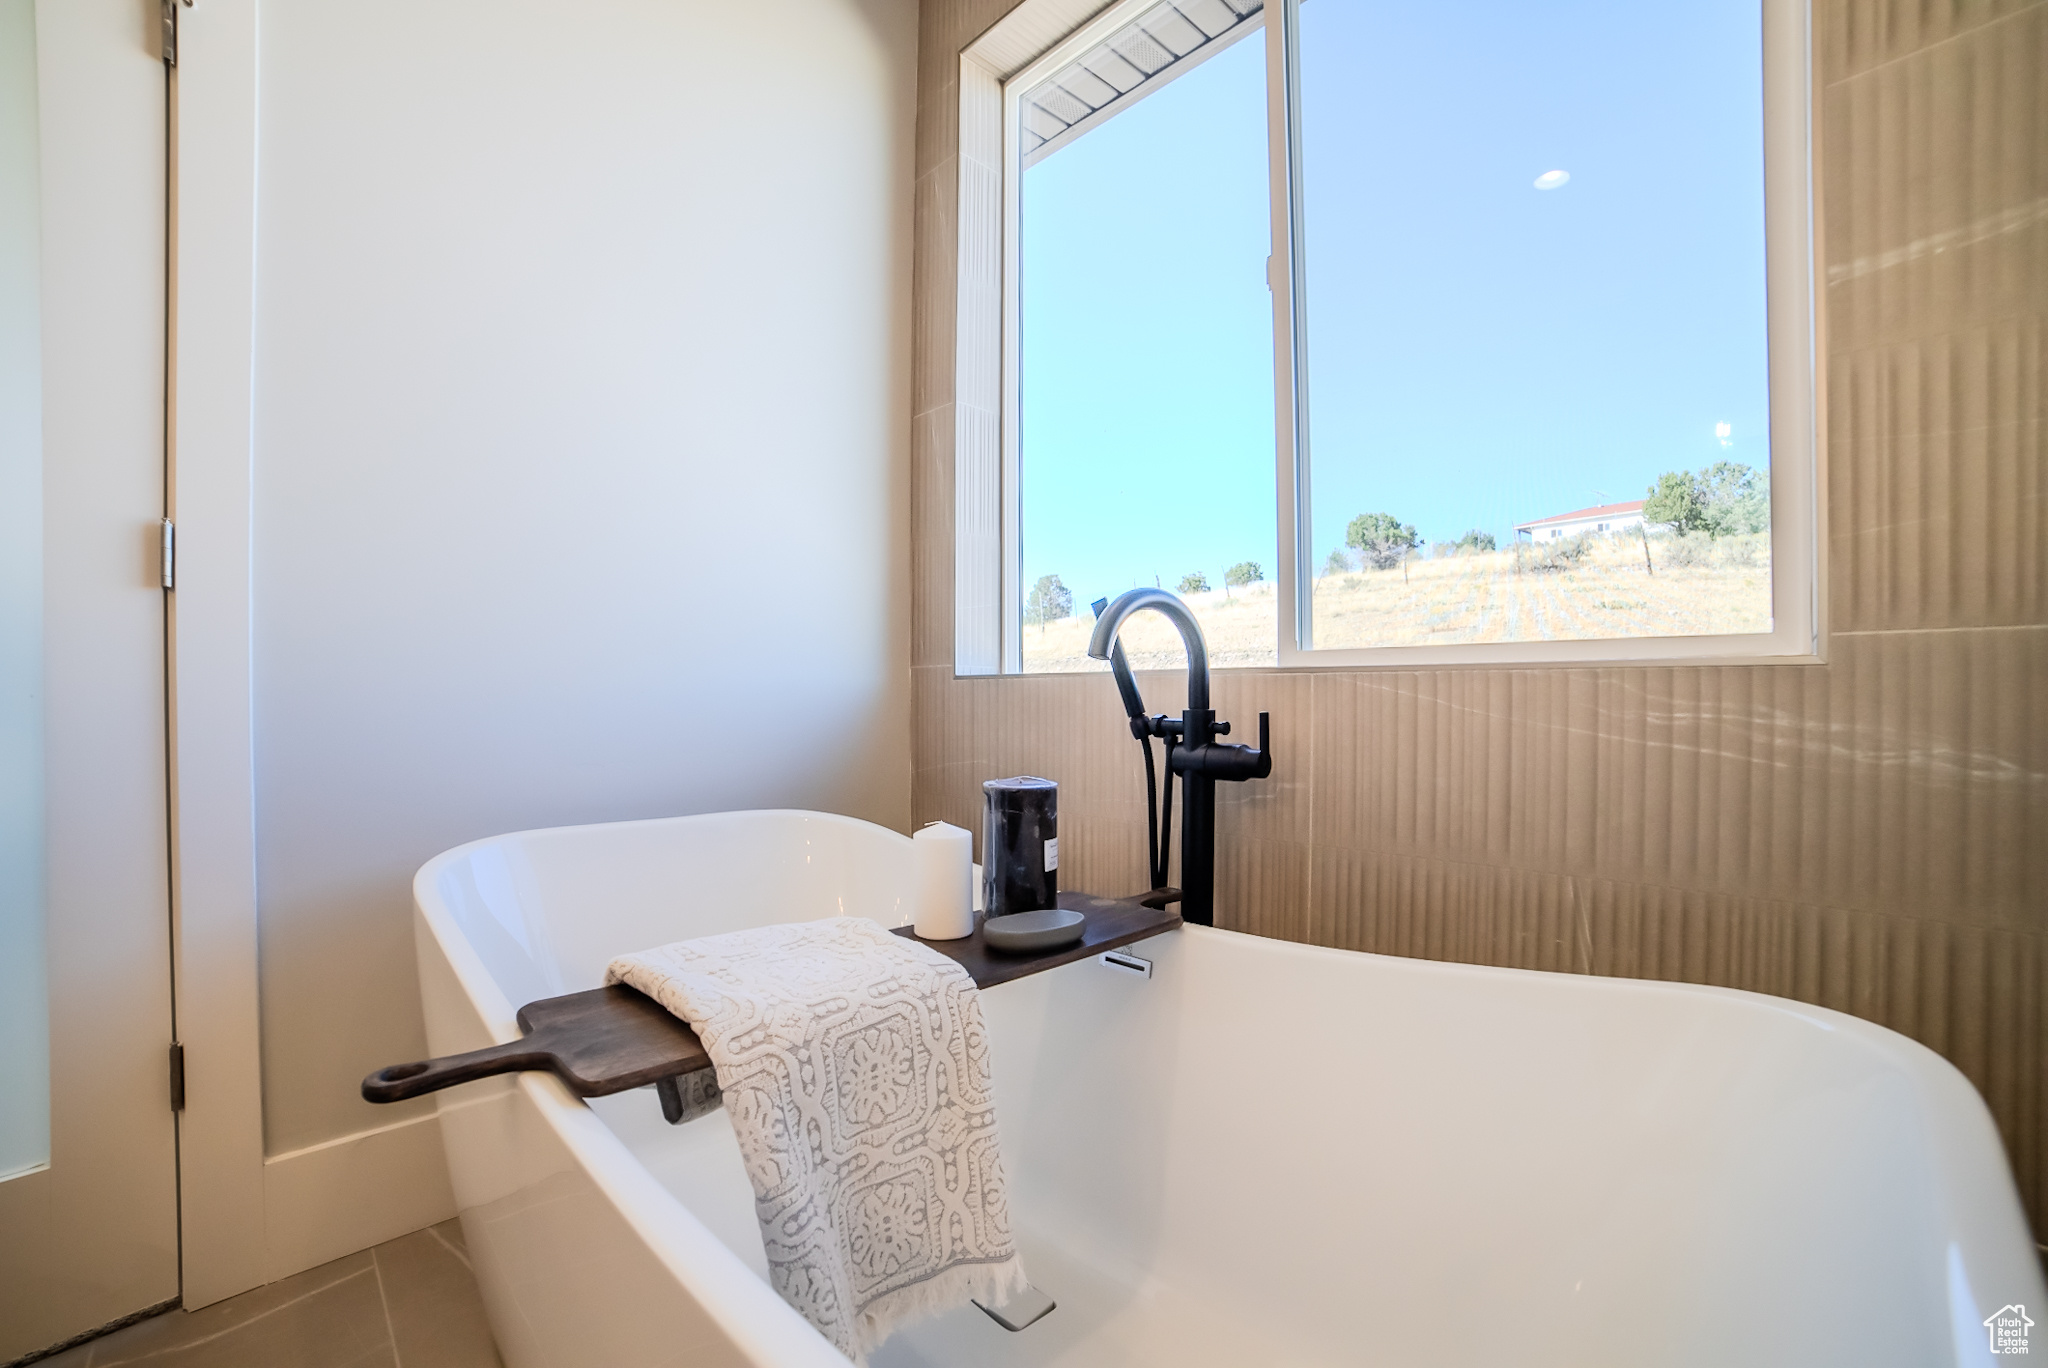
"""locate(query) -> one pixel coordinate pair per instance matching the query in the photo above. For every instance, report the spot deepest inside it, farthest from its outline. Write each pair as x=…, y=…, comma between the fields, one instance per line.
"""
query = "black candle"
x=1020, y=845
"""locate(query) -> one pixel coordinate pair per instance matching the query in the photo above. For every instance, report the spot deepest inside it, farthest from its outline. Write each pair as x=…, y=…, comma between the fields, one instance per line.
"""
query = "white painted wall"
x=581, y=412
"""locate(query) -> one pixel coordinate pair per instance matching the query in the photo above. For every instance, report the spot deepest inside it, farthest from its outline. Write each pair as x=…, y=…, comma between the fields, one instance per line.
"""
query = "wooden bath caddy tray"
x=608, y=1040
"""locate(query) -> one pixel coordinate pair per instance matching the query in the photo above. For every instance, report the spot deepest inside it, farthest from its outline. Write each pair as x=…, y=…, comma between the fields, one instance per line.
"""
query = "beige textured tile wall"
x=1870, y=834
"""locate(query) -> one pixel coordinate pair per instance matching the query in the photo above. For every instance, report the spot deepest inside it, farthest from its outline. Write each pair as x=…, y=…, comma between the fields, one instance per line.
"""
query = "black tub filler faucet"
x=1192, y=752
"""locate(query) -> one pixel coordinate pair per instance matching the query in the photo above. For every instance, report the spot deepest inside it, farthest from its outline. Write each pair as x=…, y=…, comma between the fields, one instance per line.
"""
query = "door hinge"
x=177, y=1077
x=167, y=15
x=170, y=554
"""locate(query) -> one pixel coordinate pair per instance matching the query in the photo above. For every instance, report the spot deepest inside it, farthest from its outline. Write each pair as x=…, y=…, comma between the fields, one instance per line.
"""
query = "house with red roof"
x=1606, y=519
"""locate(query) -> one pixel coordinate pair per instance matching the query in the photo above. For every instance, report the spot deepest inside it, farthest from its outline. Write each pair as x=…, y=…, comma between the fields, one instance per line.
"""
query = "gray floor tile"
x=75, y=1357
x=412, y=1301
x=437, y=1317
x=326, y=1317
x=451, y=1231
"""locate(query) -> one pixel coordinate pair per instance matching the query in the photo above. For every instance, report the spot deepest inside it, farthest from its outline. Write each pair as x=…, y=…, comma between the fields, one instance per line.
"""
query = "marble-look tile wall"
x=1870, y=834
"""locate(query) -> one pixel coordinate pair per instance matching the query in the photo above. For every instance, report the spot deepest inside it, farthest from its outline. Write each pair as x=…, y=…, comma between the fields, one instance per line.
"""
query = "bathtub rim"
x=500, y=1014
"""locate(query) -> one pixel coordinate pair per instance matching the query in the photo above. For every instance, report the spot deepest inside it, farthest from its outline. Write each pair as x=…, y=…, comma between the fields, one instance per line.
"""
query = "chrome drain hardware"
x=1026, y=1308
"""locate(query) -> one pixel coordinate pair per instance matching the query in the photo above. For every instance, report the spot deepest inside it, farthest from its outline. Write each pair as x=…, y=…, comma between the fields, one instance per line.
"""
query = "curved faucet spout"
x=1177, y=613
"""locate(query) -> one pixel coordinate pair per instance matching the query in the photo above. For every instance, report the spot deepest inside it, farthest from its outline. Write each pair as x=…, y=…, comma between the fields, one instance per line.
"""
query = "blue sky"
x=1481, y=351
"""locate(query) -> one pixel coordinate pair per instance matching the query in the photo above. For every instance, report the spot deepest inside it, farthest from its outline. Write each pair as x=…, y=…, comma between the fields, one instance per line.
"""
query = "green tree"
x=1196, y=583
x=1243, y=573
x=1675, y=502
x=1735, y=499
x=1478, y=539
x=1048, y=601
x=1382, y=540
x=1339, y=562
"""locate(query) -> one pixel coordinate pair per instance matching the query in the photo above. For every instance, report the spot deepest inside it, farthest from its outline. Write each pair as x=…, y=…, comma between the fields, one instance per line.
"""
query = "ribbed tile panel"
x=1939, y=489
x=1855, y=36
x=1868, y=836
x=1933, y=210
x=1935, y=171
x=1911, y=774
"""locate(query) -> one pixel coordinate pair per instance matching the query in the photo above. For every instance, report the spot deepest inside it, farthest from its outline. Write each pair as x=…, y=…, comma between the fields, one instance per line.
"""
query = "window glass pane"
x=1534, y=267
x=1146, y=339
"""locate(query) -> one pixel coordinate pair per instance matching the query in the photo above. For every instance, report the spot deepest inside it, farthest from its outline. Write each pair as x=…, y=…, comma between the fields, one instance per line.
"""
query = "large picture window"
x=1536, y=379
x=1145, y=366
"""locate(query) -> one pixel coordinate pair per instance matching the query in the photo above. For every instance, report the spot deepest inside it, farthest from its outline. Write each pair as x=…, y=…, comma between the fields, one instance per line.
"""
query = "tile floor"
x=411, y=1303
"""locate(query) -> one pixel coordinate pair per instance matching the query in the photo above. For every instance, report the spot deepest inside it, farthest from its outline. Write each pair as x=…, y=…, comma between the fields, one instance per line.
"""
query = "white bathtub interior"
x=1277, y=1153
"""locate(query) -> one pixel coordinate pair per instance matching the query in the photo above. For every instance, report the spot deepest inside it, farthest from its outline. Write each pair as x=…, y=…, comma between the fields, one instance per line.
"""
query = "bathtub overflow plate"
x=1128, y=964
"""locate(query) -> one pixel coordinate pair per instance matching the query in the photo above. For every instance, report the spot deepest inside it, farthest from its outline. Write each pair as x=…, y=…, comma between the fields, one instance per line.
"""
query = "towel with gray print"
x=854, y=1065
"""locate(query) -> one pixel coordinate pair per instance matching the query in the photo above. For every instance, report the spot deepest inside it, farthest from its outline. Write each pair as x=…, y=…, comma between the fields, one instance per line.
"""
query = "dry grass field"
x=1240, y=629
x=1597, y=588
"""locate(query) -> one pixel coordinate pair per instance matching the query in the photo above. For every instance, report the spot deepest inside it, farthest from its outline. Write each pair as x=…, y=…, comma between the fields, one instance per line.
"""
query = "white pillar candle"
x=942, y=858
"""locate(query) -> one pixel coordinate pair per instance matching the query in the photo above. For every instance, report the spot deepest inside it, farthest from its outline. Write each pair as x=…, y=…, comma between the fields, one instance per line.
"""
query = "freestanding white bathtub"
x=1266, y=1153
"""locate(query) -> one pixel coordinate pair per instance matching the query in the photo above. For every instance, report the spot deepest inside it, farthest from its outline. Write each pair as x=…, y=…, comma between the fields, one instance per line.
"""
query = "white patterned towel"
x=855, y=1067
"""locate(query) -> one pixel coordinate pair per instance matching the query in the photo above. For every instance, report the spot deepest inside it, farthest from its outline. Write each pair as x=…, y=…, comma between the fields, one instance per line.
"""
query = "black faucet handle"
x=1231, y=764
x=1255, y=762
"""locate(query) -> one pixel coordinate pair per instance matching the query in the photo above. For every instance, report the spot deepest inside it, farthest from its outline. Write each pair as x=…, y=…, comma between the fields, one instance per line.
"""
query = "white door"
x=88, y=1180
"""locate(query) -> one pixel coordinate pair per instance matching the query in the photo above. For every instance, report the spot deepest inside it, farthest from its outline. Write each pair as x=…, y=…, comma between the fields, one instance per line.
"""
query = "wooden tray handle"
x=400, y=1081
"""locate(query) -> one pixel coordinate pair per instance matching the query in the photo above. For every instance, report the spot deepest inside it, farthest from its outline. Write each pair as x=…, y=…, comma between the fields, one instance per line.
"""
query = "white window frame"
x=1039, y=37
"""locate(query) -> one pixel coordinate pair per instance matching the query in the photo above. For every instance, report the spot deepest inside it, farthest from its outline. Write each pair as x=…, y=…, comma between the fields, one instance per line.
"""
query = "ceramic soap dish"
x=1020, y=933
